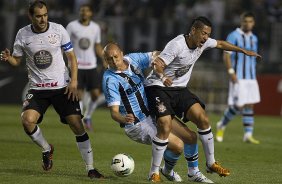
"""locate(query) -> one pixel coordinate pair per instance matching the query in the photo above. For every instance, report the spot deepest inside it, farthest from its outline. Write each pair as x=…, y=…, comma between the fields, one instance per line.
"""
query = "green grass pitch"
x=20, y=158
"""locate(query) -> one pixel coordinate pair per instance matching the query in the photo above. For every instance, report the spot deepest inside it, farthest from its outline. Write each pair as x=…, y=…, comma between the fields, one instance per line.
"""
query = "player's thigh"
x=159, y=102
x=35, y=106
x=92, y=80
x=175, y=144
x=197, y=115
x=65, y=107
x=183, y=132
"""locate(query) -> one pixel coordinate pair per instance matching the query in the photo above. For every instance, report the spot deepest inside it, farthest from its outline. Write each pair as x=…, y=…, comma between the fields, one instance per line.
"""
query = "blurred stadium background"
x=146, y=25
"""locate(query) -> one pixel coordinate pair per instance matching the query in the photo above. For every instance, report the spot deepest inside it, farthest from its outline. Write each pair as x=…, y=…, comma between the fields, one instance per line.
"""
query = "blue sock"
x=170, y=159
x=248, y=120
x=229, y=114
x=191, y=155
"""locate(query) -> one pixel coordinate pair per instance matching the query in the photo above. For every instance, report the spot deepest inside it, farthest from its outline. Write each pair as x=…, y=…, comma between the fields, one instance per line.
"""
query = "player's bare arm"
x=228, y=65
x=158, y=67
x=129, y=118
x=6, y=56
x=71, y=89
x=224, y=45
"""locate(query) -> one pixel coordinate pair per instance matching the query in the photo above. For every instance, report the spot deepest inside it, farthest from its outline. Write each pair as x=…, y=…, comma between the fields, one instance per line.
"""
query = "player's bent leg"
x=90, y=108
x=29, y=120
x=229, y=114
x=159, y=145
x=197, y=115
x=83, y=144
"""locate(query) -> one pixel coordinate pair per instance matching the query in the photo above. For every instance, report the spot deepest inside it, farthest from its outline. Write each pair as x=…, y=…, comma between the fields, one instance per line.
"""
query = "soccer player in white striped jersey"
x=42, y=42
x=243, y=85
x=167, y=91
x=85, y=35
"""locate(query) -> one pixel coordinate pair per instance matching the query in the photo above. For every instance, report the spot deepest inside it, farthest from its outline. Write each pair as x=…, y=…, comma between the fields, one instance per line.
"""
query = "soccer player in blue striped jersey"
x=124, y=91
x=243, y=86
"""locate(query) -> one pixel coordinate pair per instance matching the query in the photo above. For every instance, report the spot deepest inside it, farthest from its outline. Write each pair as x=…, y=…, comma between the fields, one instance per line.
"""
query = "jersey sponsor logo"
x=47, y=85
x=182, y=71
x=53, y=39
x=134, y=88
x=84, y=43
x=42, y=59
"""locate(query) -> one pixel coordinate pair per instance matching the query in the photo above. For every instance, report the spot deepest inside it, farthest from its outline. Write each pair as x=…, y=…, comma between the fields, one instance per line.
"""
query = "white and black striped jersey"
x=84, y=39
x=44, y=58
x=180, y=60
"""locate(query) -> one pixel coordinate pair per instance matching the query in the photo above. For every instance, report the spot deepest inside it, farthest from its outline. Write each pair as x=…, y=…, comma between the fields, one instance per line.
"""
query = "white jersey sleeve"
x=65, y=41
x=17, y=49
x=210, y=43
x=170, y=52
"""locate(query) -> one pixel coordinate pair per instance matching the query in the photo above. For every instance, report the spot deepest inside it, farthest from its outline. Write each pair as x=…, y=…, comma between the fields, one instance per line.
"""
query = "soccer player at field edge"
x=85, y=35
x=167, y=91
x=125, y=95
x=42, y=42
x=243, y=85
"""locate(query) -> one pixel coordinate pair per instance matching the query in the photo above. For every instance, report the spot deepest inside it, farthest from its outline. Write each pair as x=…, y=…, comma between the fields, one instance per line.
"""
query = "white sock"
x=90, y=109
x=81, y=105
x=193, y=170
x=158, y=148
x=84, y=146
x=38, y=138
x=206, y=137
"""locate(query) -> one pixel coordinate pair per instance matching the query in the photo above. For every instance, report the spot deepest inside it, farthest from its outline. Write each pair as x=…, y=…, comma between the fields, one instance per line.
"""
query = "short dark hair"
x=199, y=22
x=36, y=4
x=86, y=5
x=247, y=14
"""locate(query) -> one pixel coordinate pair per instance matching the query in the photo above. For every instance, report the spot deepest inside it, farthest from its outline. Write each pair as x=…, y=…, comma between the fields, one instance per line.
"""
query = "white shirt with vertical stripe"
x=44, y=57
x=180, y=60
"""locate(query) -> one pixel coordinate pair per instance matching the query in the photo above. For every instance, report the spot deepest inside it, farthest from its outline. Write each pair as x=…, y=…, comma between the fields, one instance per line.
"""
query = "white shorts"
x=142, y=132
x=243, y=92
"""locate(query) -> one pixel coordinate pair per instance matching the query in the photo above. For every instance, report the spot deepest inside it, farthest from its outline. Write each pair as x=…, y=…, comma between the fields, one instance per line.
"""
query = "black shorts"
x=88, y=79
x=170, y=101
x=40, y=100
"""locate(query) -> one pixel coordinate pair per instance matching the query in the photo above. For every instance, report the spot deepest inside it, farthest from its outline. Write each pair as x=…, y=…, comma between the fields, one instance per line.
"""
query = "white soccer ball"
x=122, y=165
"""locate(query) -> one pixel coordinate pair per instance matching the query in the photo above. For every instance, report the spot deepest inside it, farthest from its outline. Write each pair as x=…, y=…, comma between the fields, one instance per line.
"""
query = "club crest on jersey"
x=161, y=107
x=53, y=38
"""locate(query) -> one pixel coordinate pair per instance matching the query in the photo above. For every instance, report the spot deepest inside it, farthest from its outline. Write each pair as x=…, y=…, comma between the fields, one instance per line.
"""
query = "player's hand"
x=71, y=91
x=5, y=54
x=166, y=81
x=252, y=53
x=158, y=63
x=234, y=78
x=129, y=118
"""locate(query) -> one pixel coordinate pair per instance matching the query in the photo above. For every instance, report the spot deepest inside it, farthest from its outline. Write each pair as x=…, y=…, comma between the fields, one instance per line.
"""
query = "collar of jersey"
x=48, y=24
x=118, y=71
x=242, y=32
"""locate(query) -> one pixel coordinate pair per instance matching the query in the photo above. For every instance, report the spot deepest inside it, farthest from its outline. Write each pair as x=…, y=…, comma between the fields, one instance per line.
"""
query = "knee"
x=164, y=124
x=28, y=120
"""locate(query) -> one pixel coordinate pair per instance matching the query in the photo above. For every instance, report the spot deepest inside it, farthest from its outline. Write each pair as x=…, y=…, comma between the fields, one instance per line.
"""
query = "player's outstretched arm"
x=224, y=45
x=71, y=89
x=129, y=118
x=6, y=56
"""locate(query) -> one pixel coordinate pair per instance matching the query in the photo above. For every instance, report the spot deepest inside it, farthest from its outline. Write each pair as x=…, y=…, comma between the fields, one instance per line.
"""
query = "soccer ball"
x=122, y=165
